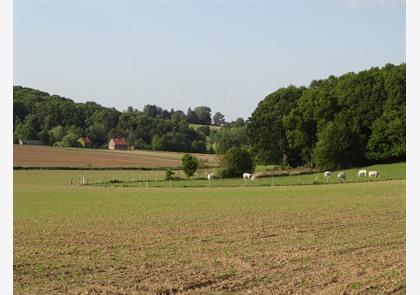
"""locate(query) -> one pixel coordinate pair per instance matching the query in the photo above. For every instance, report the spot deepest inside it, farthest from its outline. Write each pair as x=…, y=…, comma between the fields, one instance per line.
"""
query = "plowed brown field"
x=324, y=239
x=45, y=156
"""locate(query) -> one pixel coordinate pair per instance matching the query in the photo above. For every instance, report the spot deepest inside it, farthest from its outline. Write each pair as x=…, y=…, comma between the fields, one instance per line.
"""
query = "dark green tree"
x=28, y=129
x=229, y=137
x=192, y=117
x=266, y=130
x=203, y=115
x=236, y=161
x=204, y=130
x=218, y=119
x=189, y=164
x=339, y=144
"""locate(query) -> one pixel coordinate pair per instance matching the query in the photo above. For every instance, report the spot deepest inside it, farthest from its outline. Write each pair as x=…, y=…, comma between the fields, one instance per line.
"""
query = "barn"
x=118, y=144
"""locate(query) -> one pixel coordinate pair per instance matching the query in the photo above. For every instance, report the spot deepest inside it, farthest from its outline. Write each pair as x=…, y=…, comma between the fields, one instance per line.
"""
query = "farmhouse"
x=85, y=142
x=118, y=144
x=30, y=141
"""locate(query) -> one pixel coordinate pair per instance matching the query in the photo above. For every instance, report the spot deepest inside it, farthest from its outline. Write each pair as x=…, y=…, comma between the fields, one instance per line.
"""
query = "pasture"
x=156, y=178
x=309, y=239
x=211, y=127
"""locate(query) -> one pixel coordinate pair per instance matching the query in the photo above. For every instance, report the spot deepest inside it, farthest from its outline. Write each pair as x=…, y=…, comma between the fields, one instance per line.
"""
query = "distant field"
x=312, y=239
x=212, y=127
x=45, y=156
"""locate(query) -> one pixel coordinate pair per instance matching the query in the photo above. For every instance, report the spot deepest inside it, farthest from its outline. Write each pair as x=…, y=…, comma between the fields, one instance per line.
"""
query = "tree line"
x=338, y=122
x=60, y=121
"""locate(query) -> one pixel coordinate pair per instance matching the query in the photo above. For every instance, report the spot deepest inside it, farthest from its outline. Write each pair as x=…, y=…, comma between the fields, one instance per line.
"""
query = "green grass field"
x=309, y=239
x=156, y=178
x=212, y=127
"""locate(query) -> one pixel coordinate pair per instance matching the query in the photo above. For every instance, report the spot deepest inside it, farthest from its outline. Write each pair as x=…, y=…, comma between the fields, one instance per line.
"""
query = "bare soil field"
x=328, y=239
x=45, y=156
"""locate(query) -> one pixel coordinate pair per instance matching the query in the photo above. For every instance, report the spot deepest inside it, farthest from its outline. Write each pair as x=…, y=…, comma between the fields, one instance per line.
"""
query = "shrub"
x=168, y=174
x=189, y=164
x=237, y=161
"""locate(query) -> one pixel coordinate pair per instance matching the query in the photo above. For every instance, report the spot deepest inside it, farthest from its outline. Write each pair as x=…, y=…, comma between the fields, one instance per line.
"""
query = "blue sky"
x=224, y=54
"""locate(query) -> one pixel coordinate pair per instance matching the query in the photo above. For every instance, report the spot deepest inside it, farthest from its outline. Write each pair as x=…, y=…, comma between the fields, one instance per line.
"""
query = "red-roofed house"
x=118, y=144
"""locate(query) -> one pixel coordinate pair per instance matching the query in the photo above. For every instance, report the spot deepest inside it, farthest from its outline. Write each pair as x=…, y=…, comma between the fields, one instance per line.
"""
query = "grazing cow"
x=341, y=176
x=327, y=174
x=362, y=173
x=373, y=174
x=254, y=177
x=247, y=175
x=211, y=176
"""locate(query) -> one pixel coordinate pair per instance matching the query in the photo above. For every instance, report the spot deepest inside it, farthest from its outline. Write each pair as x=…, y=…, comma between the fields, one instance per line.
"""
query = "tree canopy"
x=337, y=122
x=60, y=121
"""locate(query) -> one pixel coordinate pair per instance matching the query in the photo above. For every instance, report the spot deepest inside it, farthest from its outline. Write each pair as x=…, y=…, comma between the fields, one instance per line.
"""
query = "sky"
x=227, y=55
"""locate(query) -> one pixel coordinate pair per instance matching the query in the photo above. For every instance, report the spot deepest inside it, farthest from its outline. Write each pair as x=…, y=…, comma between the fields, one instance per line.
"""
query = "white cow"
x=341, y=176
x=254, y=177
x=246, y=175
x=362, y=173
x=211, y=176
x=327, y=174
x=373, y=174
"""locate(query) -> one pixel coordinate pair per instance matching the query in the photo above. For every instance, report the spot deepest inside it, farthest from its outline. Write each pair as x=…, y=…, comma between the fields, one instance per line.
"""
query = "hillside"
x=59, y=121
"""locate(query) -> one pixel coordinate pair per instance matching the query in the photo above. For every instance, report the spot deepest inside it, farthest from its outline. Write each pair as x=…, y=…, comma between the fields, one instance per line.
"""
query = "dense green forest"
x=60, y=121
x=338, y=122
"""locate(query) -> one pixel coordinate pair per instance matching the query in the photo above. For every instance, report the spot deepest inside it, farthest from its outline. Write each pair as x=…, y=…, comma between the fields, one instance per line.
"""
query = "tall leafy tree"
x=218, y=119
x=266, y=129
x=203, y=115
x=338, y=145
x=192, y=117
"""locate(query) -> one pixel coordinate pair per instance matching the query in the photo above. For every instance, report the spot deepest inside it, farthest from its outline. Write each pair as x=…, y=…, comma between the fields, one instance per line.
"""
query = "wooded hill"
x=338, y=122
x=355, y=119
x=60, y=121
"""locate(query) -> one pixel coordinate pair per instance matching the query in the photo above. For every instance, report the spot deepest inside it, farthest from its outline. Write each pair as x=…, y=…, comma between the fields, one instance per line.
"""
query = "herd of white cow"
x=361, y=173
x=327, y=174
x=251, y=176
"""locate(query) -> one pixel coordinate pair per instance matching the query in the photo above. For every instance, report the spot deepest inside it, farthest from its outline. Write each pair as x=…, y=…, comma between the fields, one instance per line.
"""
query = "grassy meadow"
x=211, y=127
x=306, y=239
x=157, y=178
